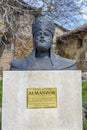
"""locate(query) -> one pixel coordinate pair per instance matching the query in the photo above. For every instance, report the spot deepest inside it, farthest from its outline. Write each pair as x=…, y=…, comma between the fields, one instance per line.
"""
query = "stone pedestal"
x=67, y=115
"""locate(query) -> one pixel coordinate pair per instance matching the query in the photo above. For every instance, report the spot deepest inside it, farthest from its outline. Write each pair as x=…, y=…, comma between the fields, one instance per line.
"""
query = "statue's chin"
x=42, y=48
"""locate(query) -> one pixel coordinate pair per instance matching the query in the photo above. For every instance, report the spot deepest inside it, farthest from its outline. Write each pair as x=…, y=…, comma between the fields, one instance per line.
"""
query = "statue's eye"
x=46, y=34
x=39, y=33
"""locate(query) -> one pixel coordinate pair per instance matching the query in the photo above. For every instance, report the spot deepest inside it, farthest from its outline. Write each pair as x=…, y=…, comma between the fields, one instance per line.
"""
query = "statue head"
x=43, y=31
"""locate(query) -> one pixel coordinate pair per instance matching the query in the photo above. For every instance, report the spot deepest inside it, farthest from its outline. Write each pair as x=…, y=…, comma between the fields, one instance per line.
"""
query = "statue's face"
x=42, y=40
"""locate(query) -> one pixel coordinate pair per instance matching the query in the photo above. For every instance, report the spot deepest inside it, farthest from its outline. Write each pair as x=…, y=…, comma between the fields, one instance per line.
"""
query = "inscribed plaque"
x=41, y=97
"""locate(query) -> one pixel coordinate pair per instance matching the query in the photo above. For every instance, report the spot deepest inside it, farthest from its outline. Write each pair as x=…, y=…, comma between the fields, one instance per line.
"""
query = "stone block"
x=67, y=115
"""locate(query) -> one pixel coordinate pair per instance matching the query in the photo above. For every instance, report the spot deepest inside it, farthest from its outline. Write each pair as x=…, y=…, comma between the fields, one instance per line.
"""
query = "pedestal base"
x=67, y=115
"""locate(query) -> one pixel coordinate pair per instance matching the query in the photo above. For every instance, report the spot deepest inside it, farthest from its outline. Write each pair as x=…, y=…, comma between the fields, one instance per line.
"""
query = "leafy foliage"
x=84, y=97
x=84, y=124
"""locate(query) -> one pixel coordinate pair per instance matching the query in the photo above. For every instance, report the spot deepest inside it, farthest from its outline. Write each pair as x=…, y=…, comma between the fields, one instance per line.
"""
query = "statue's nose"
x=42, y=35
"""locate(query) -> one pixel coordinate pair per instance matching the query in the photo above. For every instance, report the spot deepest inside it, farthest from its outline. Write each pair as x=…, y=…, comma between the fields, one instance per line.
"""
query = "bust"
x=42, y=56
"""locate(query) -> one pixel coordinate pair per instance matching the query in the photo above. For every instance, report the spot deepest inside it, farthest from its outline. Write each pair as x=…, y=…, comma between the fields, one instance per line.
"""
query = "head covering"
x=45, y=22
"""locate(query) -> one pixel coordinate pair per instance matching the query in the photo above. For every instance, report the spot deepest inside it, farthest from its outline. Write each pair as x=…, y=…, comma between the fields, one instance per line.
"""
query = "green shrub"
x=84, y=90
x=84, y=99
x=84, y=124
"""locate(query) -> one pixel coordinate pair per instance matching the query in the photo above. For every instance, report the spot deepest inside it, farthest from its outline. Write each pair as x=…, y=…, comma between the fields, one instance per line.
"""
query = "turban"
x=45, y=22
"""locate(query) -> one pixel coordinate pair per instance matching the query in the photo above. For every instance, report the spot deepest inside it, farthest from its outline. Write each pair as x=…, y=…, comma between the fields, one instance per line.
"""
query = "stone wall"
x=74, y=48
x=84, y=54
x=19, y=47
x=2, y=31
x=58, y=32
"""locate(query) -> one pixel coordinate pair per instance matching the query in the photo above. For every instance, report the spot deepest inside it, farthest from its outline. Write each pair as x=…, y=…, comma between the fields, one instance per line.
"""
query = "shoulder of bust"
x=69, y=64
x=64, y=63
x=19, y=64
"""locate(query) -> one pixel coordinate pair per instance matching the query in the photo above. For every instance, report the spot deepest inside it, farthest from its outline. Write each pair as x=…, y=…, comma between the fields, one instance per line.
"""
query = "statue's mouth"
x=42, y=40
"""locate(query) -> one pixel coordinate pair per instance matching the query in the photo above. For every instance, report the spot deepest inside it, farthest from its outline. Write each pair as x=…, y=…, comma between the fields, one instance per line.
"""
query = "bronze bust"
x=42, y=57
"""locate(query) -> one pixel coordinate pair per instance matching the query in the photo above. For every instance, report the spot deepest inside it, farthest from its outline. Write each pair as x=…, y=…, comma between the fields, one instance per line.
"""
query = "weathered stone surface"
x=67, y=115
x=73, y=45
x=84, y=76
x=7, y=56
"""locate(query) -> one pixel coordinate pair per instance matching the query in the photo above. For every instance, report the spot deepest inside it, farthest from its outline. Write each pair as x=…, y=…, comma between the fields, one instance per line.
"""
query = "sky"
x=71, y=19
